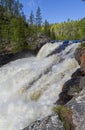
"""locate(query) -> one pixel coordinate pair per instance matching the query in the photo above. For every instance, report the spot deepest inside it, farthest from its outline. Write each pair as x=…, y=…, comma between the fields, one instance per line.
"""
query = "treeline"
x=18, y=33
x=69, y=30
x=12, y=25
x=15, y=31
x=36, y=24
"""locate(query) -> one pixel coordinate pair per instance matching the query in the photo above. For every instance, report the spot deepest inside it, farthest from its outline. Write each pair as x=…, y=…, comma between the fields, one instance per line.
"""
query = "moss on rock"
x=65, y=115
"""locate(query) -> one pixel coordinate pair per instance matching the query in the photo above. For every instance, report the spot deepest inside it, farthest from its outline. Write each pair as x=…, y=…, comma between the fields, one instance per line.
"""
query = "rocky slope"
x=51, y=122
x=70, y=114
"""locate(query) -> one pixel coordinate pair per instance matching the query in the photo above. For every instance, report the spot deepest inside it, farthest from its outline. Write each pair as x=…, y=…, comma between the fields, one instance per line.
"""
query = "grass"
x=65, y=115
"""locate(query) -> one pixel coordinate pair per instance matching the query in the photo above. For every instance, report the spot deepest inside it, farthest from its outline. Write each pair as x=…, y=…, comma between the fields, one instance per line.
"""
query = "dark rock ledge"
x=70, y=109
x=8, y=57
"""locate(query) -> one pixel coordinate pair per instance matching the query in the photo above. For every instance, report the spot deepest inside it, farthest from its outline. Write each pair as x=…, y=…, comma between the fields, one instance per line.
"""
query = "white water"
x=25, y=79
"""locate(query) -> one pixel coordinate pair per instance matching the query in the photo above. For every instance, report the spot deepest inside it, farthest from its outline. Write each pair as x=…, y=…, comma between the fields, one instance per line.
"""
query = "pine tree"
x=31, y=19
x=38, y=19
x=46, y=28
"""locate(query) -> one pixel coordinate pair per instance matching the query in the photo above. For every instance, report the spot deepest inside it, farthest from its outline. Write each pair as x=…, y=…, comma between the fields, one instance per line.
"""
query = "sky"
x=55, y=11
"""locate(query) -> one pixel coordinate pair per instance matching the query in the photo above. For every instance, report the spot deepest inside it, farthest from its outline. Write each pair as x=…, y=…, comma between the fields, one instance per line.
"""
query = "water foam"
x=30, y=86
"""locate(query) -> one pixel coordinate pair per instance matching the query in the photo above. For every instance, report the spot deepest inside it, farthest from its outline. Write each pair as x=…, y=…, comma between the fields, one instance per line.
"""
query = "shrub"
x=82, y=45
x=65, y=115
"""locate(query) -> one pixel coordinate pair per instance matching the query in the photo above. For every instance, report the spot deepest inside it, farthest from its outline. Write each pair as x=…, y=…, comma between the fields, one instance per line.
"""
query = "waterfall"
x=29, y=87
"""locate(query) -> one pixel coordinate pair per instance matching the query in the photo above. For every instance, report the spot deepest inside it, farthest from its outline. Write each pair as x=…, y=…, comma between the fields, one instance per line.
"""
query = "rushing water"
x=29, y=87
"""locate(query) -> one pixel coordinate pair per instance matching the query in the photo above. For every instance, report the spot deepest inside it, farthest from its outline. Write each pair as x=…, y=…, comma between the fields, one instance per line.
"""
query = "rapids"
x=29, y=87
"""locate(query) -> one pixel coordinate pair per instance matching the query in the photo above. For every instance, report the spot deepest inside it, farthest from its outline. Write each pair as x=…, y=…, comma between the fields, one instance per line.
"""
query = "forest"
x=18, y=33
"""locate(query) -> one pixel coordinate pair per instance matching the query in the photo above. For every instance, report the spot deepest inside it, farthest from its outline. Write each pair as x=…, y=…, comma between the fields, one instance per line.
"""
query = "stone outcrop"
x=38, y=42
x=51, y=122
x=71, y=88
x=77, y=82
x=80, y=57
x=77, y=104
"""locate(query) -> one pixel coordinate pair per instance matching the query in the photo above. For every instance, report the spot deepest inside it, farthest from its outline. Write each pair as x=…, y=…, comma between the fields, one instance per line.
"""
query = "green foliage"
x=17, y=29
x=14, y=30
x=69, y=30
x=12, y=25
x=12, y=6
x=31, y=19
x=82, y=45
x=46, y=28
x=65, y=115
x=38, y=19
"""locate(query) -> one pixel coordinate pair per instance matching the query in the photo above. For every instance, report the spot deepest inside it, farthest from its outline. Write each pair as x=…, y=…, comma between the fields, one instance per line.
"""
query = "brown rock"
x=80, y=57
x=82, y=63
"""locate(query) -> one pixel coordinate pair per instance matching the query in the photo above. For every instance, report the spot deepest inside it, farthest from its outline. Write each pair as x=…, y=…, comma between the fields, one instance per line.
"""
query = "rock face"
x=77, y=105
x=71, y=87
x=77, y=81
x=39, y=41
x=80, y=57
x=51, y=122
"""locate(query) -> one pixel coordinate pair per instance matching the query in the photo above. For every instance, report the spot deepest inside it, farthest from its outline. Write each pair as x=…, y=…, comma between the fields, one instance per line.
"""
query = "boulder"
x=78, y=54
x=77, y=104
x=80, y=57
x=83, y=63
x=82, y=82
x=71, y=88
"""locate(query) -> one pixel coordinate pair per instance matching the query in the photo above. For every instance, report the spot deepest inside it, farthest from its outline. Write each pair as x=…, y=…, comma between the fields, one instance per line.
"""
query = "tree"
x=31, y=19
x=46, y=28
x=18, y=8
x=38, y=19
x=13, y=6
x=17, y=28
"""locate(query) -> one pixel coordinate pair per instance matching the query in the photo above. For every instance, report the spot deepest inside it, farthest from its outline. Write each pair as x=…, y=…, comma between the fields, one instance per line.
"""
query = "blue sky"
x=56, y=10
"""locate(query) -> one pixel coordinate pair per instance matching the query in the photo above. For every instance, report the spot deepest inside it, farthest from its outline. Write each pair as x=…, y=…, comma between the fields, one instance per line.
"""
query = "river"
x=29, y=87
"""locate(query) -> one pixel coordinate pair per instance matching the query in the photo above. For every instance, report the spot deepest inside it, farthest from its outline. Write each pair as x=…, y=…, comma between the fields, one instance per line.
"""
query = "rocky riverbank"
x=6, y=56
x=70, y=111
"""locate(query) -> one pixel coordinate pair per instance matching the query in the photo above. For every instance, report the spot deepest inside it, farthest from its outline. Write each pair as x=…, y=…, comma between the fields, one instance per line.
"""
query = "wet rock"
x=7, y=57
x=4, y=59
x=63, y=98
x=51, y=122
x=71, y=88
x=77, y=73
